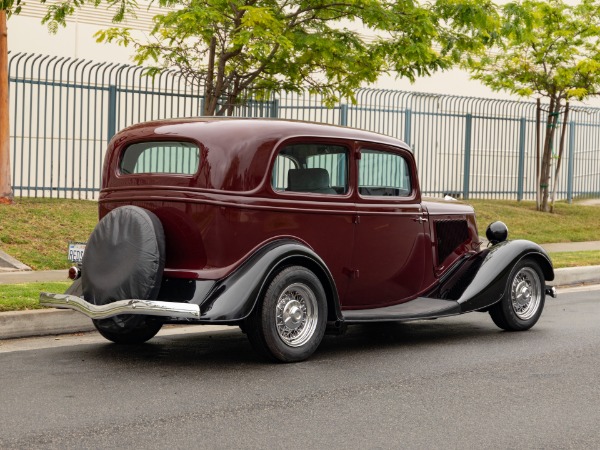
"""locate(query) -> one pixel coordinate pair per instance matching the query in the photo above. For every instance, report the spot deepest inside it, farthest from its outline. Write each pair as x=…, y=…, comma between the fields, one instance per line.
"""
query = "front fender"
x=489, y=283
x=233, y=298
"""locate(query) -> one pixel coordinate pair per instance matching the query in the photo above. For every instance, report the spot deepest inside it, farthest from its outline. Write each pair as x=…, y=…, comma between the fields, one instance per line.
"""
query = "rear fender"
x=489, y=283
x=233, y=298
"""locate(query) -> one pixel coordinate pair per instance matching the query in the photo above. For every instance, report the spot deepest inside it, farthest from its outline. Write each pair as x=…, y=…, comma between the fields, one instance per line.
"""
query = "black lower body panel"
x=417, y=309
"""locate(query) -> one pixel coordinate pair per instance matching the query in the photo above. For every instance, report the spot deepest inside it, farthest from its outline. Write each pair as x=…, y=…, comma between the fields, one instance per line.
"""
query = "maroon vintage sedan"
x=286, y=229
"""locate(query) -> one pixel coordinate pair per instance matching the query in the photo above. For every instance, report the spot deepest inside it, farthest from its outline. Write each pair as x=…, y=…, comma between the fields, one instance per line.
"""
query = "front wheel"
x=523, y=300
x=128, y=329
x=289, y=322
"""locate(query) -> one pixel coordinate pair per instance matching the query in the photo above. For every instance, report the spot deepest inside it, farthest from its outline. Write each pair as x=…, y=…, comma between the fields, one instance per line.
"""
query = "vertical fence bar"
x=112, y=111
x=570, y=167
x=521, y=170
x=407, y=125
x=274, y=113
x=13, y=118
x=344, y=115
x=467, y=166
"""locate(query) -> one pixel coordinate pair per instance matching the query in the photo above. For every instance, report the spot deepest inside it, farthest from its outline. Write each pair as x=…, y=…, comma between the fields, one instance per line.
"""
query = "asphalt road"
x=449, y=383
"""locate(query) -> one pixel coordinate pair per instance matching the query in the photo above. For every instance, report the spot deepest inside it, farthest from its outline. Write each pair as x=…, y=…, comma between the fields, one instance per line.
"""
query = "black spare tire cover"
x=124, y=257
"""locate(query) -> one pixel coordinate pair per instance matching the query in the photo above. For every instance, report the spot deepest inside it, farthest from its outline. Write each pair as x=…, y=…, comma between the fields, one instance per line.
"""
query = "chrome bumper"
x=143, y=307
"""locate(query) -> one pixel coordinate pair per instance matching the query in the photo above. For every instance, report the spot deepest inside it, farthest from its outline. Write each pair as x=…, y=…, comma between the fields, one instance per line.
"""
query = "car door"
x=313, y=200
x=391, y=245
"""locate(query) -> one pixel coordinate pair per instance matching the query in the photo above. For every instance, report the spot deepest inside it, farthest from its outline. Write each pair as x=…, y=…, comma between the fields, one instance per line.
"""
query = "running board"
x=417, y=309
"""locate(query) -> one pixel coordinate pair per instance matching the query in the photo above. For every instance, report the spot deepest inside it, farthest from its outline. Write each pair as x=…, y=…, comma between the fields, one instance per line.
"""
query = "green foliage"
x=11, y=6
x=240, y=48
x=549, y=48
x=254, y=47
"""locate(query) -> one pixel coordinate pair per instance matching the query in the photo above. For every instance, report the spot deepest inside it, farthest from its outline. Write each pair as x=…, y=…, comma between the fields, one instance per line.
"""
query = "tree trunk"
x=210, y=100
x=560, y=154
x=547, y=156
x=6, y=195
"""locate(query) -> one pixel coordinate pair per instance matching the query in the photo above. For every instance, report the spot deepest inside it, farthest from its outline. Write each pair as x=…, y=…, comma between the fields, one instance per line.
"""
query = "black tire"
x=524, y=298
x=128, y=329
x=288, y=323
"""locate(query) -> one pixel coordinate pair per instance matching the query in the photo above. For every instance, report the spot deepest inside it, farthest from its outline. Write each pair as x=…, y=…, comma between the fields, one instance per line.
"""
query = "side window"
x=383, y=174
x=180, y=158
x=314, y=168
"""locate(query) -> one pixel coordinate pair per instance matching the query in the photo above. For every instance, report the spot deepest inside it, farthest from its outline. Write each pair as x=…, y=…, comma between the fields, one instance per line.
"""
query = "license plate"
x=76, y=250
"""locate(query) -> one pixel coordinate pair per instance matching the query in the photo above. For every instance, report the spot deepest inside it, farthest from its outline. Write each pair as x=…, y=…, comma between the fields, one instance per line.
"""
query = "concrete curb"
x=21, y=324
x=570, y=276
x=8, y=262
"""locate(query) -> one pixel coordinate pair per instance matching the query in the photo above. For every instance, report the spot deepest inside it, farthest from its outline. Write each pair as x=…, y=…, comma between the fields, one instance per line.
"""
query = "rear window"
x=181, y=158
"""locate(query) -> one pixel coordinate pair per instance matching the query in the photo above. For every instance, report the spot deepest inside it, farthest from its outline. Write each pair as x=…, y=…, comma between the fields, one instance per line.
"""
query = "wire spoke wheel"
x=296, y=314
x=289, y=322
x=526, y=293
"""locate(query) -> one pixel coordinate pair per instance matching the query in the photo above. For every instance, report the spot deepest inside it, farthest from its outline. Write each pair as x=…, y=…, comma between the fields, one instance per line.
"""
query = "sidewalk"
x=32, y=276
x=572, y=246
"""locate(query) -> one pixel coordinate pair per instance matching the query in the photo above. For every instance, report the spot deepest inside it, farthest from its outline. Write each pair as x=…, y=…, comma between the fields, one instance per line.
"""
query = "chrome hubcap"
x=296, y=314
x=526, y=293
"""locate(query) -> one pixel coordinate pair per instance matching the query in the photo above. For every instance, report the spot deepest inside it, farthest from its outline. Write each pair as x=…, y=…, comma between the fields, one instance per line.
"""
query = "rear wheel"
x=523, y=300
x=128, y=329
x=288, y=323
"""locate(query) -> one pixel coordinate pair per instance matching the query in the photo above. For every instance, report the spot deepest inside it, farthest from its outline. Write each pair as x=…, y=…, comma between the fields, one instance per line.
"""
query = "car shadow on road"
x=230, y=348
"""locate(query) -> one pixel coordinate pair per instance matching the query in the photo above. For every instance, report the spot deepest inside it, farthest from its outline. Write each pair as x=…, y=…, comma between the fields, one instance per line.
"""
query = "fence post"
x=274, y=113
x=112, y=111
x=521, y=159
x=344, y=114
x=407, y=125
x=570, y=168
x=467, y=168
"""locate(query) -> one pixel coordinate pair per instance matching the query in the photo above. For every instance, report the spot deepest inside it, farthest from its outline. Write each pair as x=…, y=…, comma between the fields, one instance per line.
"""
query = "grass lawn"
x=17, y=297
x=37, y=231
x=575, y=259
x=569, y=223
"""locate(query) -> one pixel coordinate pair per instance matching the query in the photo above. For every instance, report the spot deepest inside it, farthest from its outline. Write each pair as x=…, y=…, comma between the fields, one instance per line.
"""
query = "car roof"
x=272, y=128
x=238, y=150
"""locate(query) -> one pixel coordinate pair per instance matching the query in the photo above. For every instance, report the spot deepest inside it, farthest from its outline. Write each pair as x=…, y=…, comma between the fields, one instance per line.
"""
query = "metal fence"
x=64, y=111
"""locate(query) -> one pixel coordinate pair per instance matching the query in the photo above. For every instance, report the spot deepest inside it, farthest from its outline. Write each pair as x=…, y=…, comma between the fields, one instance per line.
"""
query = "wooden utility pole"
x=6, y=195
